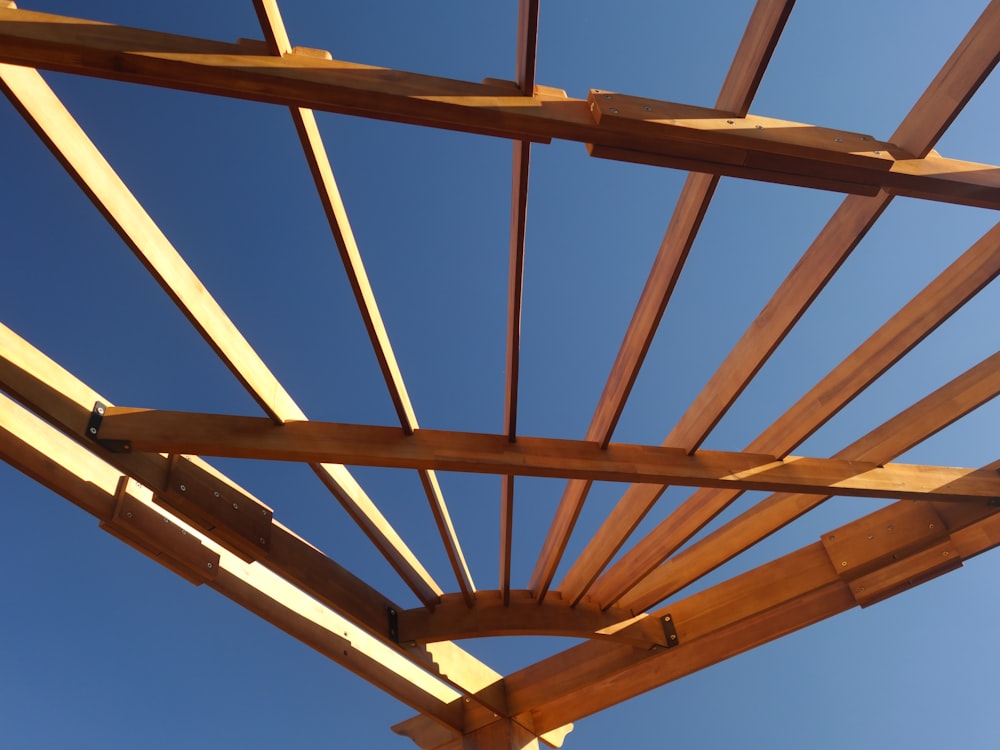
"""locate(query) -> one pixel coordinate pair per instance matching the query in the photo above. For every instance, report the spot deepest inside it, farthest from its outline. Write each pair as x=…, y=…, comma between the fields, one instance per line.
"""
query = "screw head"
x=614, y=110
x=216, y=493
x=666, y=618
x=673, y=637
x=729, y=122
x=843, y=563
x=100, y=410
x=183, y=488
x=877, y=153
x=607, y=96
x=93, y=430
x=262, y=540
x=210, y=566
x=236, y=506
x=128, y=515
x=839, y=140
x=647, y=109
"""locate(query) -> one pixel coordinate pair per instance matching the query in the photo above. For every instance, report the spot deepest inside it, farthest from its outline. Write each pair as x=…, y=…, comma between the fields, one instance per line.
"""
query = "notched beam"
x=452, y=619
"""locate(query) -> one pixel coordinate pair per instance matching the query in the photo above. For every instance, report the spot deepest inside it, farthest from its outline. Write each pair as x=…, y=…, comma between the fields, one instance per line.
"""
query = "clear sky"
x=100, y=647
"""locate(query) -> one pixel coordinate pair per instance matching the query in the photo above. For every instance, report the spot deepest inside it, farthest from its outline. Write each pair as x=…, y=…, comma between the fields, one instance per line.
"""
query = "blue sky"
x=102, y=648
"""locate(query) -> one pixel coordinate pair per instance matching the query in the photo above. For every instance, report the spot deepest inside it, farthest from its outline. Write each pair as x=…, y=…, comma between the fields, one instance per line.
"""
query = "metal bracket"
x=669, y=631
x=393, y=624
x=94, y=430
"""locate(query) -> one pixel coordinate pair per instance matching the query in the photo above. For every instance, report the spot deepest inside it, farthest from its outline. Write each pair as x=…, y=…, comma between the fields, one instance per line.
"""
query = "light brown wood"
x=752, y=56
x=955, y=286
x=71, y=145
x=333, y=205
x=84, y=47
x=145, y=430
x=915, y=424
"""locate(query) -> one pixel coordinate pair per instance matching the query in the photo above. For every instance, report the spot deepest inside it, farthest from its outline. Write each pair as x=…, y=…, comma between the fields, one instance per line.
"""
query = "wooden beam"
x=66, y=403
x=933, y=305
x=950, y=90
x=756, y=607
x=333, y=205
x=69, y=143
x=68, y=469
x=915, y=424
x=146, y=430
x=779, y=151
x=752, y=56
x=527, y=47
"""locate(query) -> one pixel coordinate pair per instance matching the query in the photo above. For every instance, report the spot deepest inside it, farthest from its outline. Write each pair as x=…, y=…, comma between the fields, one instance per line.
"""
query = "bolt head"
x=100, y=410
x=843, y=563
x=614, y=110
x=236, y=506
x=93, y=430
x=183, y=488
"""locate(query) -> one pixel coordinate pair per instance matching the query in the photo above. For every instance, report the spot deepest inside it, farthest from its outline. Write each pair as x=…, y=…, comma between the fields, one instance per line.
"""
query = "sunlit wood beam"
x=751, y=59
x=691, y=138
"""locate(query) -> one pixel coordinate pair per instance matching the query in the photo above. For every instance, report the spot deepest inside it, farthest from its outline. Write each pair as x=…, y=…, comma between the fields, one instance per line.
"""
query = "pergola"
x=139, y=469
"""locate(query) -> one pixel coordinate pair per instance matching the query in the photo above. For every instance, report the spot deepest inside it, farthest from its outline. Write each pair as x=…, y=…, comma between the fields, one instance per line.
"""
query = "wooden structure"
x=138, y=469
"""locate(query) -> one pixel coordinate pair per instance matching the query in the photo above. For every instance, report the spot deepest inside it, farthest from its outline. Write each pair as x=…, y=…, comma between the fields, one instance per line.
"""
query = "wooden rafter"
x=333, y=205
x=751, y=59
x=617, y=126
x=74, y=149
x=944, y=98
x=527, y=47
x=145, y=430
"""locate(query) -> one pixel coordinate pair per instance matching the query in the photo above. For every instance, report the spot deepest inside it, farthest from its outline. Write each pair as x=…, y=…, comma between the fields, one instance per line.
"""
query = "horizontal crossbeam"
x=647, y=131
x=145, y=430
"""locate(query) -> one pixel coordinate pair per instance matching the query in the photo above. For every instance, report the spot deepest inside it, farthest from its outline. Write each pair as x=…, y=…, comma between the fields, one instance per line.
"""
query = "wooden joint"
x=911, y=571
x=880, y=539
x=158, y=537
x=238, y=522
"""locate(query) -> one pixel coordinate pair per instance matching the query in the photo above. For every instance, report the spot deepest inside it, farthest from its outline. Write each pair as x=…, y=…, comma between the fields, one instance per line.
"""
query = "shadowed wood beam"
x=66, y=403
x=39, y=105
x=693, y=138
x=527, y=47
x=333, y=205
x=950, y=90
x=931, y=414
x=751, y=59
x=933, y=305
x=147, y=430
x=67, y=468
x=756, y=607
x=524, y=615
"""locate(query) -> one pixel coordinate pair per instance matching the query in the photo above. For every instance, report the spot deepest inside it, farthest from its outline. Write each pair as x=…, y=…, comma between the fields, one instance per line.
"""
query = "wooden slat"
x=752, y=56
x=74, y=149
x=70, y=470
x=955, y=286
x=333, y=205
x=146, y=430
x=751, y=609
x=135, y=55
x=527, y=46
x=66, y=403
x=931, y=414
x=944, y=98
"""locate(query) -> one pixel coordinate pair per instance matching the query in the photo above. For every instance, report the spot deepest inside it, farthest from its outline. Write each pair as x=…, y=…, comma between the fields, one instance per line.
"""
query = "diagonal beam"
x=151, y=431
x=751, y=59
x=920, y=421
x=333, y=205
x=756, y=607
x=68, y=469
x=933, y=305
x=944, y=98
x=527, y=48
x=70, y=144
x=680, y=136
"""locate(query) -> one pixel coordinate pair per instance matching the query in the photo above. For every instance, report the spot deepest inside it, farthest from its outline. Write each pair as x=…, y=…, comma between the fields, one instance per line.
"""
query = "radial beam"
x=333, y=205
x=920, y=421
x=916, y=320
x=146, y=430
x=678, y=135
x=752, y=56
x=944, y=98
x=39, y=105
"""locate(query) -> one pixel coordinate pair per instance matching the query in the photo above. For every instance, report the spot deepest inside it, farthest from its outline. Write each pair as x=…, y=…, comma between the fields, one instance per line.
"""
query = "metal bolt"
x=878, y=153
x=262, y=540
x=93, y=430
x=607, y=96
x=860, y=589
x=832, y=537
x=864, y=137
x=890, y=527
x=871, y=536
x=945, y=553
x=128, y=515
x=673, y=637
x=263, y=511
x=666, y=618
x=127, y=447
x=210, y=566
x=183, y=488
x=839, y=140
x=843, y=564
x=730, y=122
x=930, y=526
x=647, y=109
x=235, y=506
x=614, y=111
x=166, y=520
x=216, y=493
x=100, y=410
x=183, y=533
